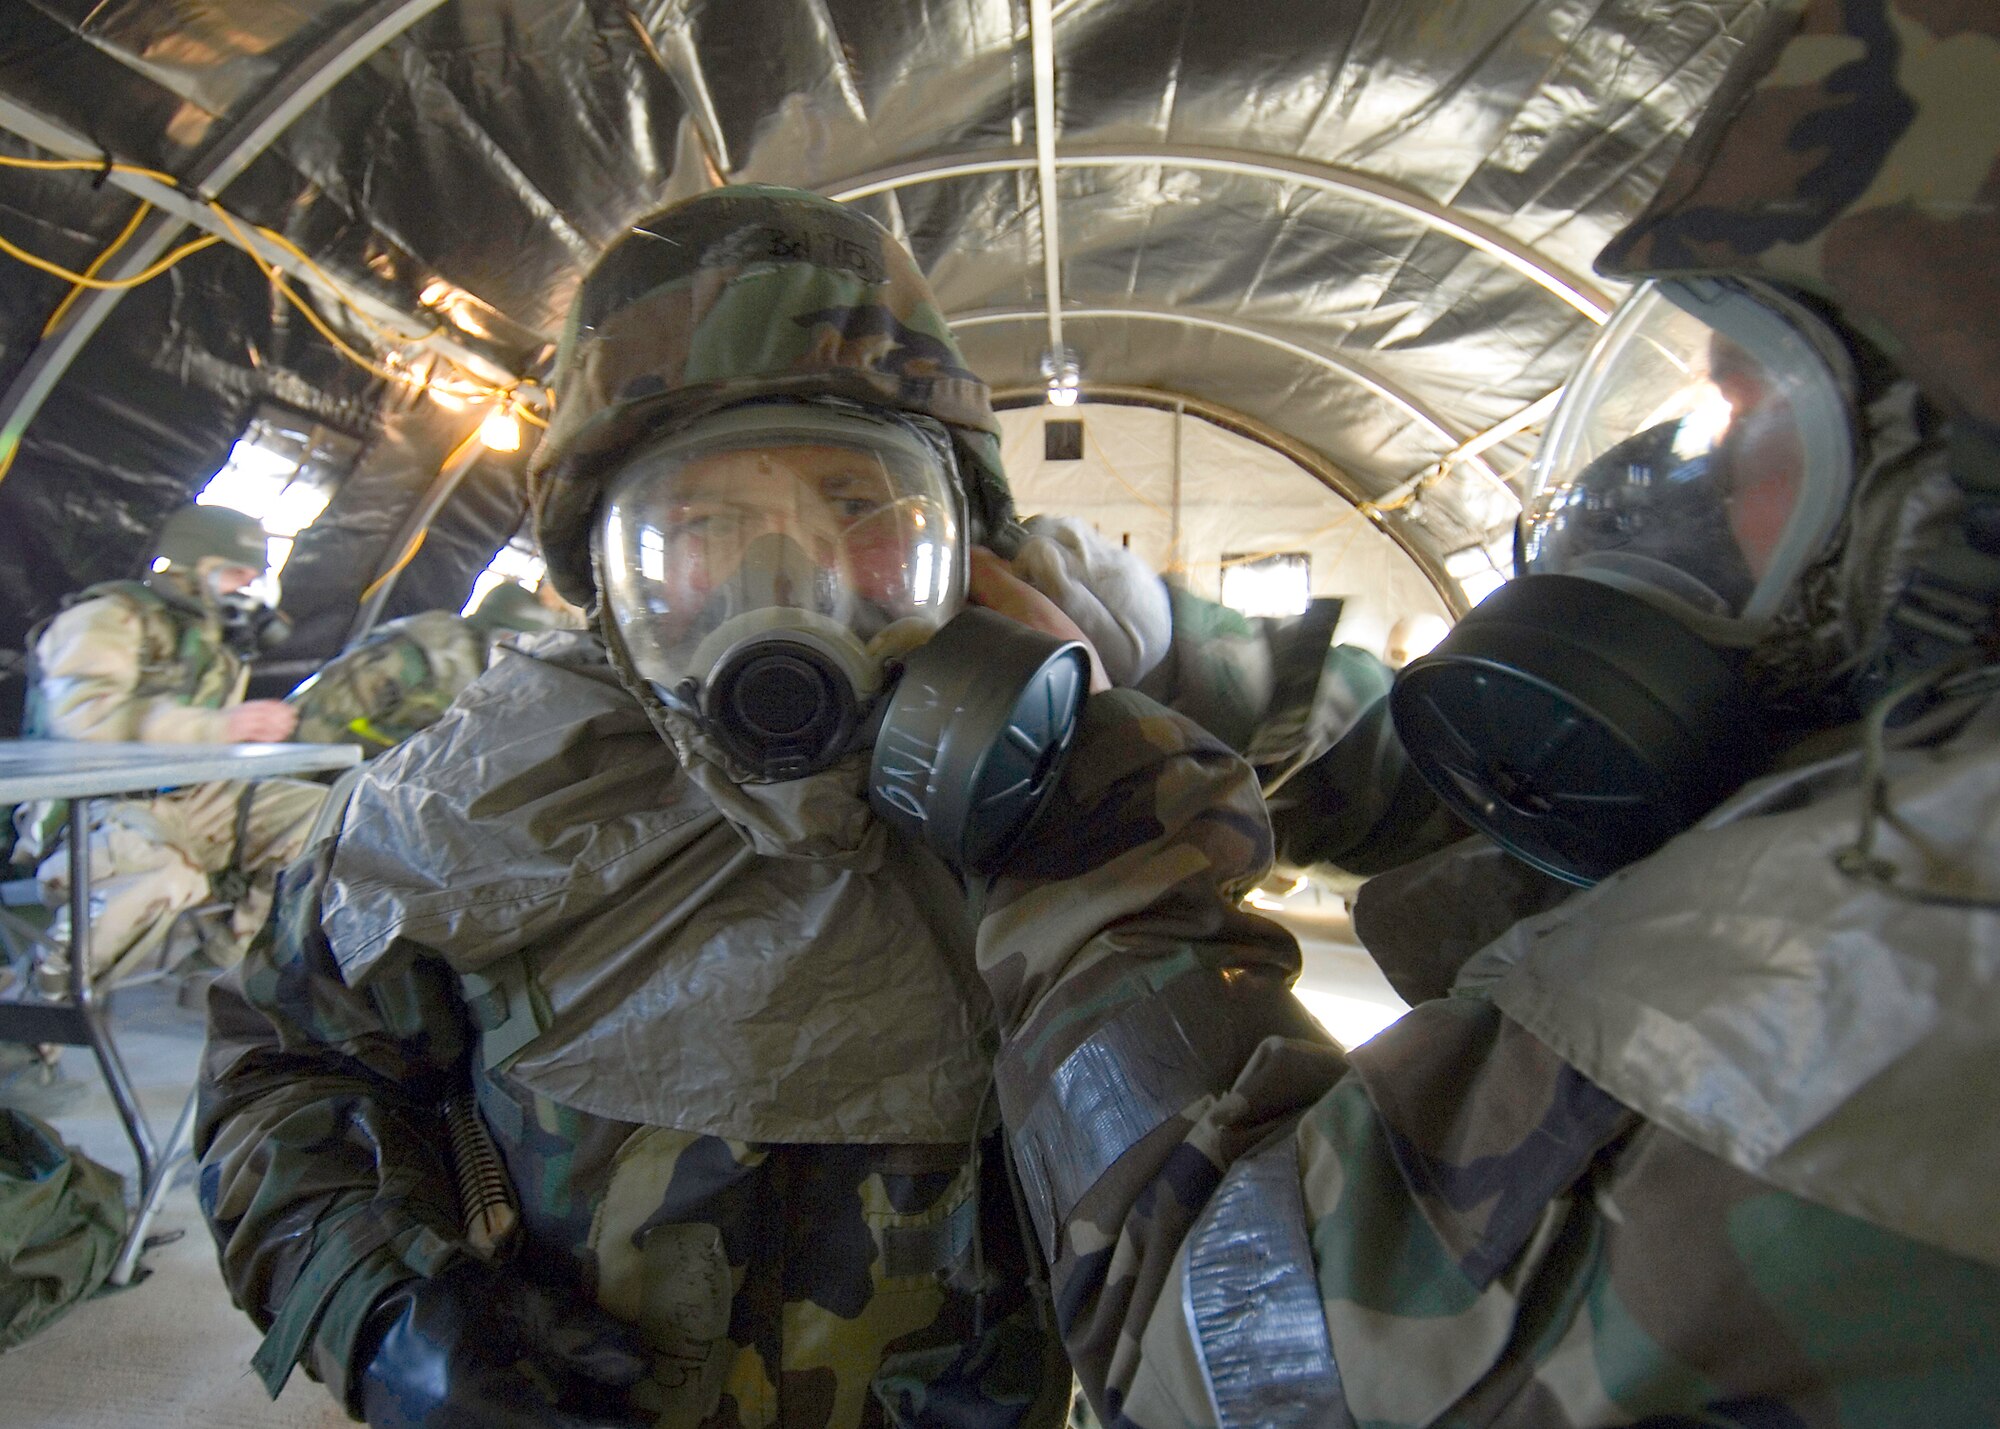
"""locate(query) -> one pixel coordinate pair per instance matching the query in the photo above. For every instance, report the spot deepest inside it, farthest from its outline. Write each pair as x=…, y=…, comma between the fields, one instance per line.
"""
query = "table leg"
x=84, y=994
x=179, y=1144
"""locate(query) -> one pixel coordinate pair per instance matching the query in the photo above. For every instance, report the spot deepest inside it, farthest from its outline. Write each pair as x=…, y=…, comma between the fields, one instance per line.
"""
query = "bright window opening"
x=1481, y=570
x=1268, y=585
x=516, y=561
x=282, y=470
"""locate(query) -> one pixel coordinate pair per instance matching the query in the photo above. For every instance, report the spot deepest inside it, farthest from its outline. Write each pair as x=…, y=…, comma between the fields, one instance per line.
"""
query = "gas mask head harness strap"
x=1708, y=506
x=790, y=577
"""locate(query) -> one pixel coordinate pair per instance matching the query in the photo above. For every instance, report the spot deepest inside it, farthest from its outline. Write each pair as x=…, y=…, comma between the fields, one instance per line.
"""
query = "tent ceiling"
x=1364, y=225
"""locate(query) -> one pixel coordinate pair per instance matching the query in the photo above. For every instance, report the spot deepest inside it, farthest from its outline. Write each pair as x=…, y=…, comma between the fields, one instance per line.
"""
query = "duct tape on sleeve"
x=1151, y=1062
x=1251, y=1297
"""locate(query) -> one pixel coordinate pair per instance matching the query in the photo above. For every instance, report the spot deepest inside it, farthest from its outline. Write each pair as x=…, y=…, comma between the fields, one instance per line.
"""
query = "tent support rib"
x=1313, y=462
x=290, y=95
x=1041, y=39
x=1403, y=401
x=1572, y=288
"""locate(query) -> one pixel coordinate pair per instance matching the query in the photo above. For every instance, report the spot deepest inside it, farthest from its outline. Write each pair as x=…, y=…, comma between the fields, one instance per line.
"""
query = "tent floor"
x=170, y=1349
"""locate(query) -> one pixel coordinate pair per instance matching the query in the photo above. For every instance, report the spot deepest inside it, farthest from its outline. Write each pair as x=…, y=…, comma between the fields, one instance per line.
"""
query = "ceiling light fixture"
x=1064, y=377
x=501, y=431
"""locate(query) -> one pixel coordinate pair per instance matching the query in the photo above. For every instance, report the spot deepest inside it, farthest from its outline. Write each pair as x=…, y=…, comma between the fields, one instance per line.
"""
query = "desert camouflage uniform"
x=396, y=680
x=1701, y=1145
x=125, y=661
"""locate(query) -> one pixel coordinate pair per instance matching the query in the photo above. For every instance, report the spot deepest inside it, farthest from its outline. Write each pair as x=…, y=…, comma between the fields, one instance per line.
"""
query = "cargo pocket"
x=671, y=1280
x=921, y=1247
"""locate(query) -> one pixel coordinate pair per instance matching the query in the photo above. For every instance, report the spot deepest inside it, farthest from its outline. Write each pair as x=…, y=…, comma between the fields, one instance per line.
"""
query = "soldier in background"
x=1311, y=716
x=403, y=675
x=150, y=660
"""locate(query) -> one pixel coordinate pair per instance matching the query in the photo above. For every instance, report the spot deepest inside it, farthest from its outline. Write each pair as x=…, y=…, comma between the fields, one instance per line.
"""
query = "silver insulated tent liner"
x=1362, y=231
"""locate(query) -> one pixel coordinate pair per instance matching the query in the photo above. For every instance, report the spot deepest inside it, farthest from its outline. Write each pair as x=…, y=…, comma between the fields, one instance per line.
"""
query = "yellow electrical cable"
x=124, y=236
x=379, y=329
x=274, y=274
x=88, y=166
x=416, y=544
x=409, y=554
x=84, y=280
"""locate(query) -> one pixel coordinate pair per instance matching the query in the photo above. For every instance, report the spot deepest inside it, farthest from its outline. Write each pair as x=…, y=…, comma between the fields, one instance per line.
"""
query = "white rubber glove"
x=1116, y=599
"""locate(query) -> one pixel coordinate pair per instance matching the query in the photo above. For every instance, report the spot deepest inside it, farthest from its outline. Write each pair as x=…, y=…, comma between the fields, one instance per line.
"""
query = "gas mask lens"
x=1701, y=456
x=764, y=566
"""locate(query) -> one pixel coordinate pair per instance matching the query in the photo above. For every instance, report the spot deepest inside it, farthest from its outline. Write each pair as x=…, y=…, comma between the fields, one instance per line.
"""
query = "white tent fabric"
x=1233, y=498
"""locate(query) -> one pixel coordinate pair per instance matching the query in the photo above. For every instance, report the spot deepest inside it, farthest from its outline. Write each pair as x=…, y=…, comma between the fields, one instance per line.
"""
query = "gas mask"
x=791, y=578
x=250, y=627
x=1702, y=459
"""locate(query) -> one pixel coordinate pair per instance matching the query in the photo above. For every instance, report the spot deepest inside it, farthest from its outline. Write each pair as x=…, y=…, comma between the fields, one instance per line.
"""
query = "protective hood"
x=1856, y=160
x=543, y=841
x=742, y=293
x=1806, y=1026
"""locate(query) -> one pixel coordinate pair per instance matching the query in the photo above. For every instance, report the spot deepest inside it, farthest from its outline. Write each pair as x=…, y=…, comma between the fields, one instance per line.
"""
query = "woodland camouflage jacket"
x=1697, y=1147
x=400, y=678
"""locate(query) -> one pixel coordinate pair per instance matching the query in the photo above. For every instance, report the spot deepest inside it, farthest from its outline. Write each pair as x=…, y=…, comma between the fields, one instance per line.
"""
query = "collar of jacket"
x=542, y=838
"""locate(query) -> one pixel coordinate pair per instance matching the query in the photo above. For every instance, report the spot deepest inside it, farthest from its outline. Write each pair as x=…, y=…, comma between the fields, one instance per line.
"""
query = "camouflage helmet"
x=196, y=533
x=737, y=294
x=512, y=606
x=1851, y=153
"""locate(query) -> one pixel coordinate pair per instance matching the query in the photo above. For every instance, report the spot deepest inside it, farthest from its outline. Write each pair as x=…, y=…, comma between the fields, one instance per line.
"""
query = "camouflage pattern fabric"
x=399, y=678
x=742, y=293
x=153, y=859
x=123, y=661
x=1277, y=690
x=1853, y=153
x=62, y=1219
x=794, y=1285
x=1494, y=1240
x=1343, y=800
x=790, y=1283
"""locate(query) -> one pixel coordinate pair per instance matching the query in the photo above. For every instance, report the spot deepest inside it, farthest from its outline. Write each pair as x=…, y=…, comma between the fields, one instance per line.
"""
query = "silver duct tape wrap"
x=931, y=1249
x=1252, y=1301
x=1150, y=1063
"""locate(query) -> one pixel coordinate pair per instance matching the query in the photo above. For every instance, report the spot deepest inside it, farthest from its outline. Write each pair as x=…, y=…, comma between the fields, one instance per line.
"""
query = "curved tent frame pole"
x=1041, y=37
x=398, y=553
x=1418, y=411
x=1242, y=424
x=1571, y=287
x=290, y=95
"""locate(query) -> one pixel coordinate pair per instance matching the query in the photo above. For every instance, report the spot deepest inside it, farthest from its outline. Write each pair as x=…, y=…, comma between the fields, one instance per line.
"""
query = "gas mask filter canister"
x=1700, y=460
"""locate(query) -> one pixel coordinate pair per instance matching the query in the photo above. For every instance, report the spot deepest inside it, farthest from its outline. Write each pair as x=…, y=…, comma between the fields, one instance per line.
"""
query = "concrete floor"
x=171, y=1349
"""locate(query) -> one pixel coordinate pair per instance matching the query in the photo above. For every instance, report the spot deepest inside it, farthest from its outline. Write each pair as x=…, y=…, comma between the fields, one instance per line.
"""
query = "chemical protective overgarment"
x=1707, y=1143
x=734, y=1052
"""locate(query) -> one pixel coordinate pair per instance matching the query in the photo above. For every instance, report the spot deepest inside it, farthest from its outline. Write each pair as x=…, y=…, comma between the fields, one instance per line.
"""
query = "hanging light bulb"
x=1064, y=377
x=501, y=431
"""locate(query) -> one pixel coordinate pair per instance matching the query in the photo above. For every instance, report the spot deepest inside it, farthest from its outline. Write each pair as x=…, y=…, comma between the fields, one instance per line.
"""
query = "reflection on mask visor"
x=1681, y=461
x=858, y=537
